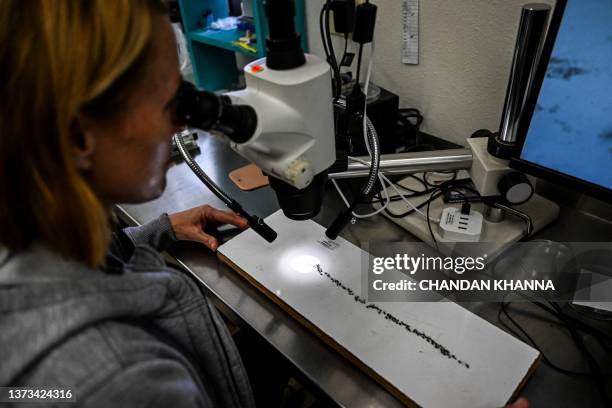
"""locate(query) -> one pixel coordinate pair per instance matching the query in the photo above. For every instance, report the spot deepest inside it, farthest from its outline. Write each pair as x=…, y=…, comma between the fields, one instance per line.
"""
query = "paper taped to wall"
x=410, y=31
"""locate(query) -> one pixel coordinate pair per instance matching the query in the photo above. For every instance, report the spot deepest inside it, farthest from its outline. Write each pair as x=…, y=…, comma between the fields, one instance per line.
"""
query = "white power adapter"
x=458, y=227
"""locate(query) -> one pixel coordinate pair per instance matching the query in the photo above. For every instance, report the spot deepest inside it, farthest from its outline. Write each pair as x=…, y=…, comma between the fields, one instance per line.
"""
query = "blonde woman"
x=86, y=118
x=86, y=115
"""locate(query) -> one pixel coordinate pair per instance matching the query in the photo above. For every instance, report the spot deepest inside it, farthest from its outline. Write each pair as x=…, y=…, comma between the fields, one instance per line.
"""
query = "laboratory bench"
x=323, y=368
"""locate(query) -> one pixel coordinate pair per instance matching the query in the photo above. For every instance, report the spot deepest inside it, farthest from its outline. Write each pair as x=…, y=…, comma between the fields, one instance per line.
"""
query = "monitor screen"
x=570, y=131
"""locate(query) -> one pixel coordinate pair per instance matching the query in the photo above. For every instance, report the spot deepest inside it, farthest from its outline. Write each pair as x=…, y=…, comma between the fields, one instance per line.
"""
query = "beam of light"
x=304, y=263
x=299, y=264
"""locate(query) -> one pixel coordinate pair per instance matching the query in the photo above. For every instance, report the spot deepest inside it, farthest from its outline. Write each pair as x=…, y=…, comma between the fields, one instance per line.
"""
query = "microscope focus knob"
x=515, y=188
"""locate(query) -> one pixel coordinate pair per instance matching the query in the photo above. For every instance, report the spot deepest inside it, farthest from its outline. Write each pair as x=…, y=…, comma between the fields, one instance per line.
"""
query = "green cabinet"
x=213, y=52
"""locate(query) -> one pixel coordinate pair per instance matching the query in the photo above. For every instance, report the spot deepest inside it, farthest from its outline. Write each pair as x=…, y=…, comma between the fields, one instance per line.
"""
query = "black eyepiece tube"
x=280, y=15
x=283, y=47
x=208, y=111
x=238, y=122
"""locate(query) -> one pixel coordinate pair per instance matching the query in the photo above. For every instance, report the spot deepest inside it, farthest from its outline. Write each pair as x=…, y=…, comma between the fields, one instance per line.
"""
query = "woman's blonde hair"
x=58, y=57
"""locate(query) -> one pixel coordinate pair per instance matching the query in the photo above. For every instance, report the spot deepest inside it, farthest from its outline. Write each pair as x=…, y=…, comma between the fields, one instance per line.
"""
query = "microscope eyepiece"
x=208, y=111
x=283, y=44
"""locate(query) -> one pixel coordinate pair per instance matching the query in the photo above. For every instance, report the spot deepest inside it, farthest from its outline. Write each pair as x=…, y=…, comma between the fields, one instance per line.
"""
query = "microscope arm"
x=491, y=176
x=407, y=163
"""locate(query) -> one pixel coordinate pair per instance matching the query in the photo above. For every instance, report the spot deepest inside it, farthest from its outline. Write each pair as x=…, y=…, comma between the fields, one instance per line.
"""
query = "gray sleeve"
x=157, y=234
x=155, y=383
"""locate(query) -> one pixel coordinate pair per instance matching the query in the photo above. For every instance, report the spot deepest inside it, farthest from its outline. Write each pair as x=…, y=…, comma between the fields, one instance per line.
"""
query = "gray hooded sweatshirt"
x=136, y=334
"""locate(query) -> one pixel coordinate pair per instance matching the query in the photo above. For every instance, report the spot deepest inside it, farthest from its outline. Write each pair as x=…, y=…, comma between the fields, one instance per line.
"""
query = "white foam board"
x=489, y=365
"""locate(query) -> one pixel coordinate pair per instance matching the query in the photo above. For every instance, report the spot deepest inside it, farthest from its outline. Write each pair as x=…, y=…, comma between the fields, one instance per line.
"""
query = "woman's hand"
x=190, y=225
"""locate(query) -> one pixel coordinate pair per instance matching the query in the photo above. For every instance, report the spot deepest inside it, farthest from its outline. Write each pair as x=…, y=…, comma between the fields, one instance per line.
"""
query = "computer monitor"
x=565, y=134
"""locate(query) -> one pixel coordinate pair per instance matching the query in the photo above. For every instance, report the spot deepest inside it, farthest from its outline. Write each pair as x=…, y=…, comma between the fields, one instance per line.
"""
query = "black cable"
x=408, y=113
x=332, y=55
x=405, y=114
x=346, y=36
x=412, y=210
x=603, y=338
x=593, y=366
x=426, y=190
x=392, y=198
x=413, y=193
x=442, y=188
x=445, y=186
x=455, y=184
x=331, y=60
x=359, y=64
x=411, y=119
x=596, y=372
x=412, y=176
x=325, y=45
x=429, y=222
x=435, y=193
x=545, y=358
x=321, y=29
x=557, y=314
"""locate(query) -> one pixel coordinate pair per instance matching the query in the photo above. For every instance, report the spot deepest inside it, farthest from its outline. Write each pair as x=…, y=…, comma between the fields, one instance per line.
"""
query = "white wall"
x=465, y=52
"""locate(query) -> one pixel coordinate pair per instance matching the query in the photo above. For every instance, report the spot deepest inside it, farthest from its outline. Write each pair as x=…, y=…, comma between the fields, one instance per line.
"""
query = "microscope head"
x=283, y=121
x=294, y=141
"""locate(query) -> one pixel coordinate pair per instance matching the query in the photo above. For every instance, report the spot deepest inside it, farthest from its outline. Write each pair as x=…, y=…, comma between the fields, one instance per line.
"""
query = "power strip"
x=459, y=227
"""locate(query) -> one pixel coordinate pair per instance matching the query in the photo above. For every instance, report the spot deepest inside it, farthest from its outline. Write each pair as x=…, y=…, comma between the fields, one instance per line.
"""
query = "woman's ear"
x=83, y=143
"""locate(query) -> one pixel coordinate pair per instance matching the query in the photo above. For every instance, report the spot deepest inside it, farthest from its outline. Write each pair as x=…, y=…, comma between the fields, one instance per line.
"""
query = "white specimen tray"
x=434, y=354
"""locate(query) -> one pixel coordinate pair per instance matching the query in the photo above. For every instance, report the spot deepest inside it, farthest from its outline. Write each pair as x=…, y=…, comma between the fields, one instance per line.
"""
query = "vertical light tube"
x=529, y=40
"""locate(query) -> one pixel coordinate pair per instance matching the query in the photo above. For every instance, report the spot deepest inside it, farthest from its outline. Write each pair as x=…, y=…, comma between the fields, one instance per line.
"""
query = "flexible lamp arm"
x=255, y=222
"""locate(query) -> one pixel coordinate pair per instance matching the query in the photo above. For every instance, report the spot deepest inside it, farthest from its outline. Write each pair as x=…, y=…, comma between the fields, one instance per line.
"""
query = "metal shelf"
x=222, y=39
